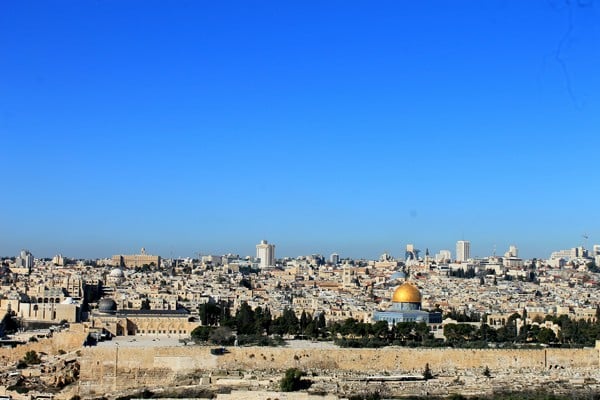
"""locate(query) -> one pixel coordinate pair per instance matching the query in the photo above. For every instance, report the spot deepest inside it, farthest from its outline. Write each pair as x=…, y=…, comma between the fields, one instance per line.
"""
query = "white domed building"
x=115, y=277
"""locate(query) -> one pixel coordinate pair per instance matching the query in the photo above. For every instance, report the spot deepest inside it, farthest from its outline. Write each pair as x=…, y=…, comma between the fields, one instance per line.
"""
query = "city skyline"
x=265, y=249
x=338, y=127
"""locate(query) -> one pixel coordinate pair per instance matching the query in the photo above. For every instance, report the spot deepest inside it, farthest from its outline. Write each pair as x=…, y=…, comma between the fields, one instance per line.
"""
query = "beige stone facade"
x=45, y=312
x=135, y=260
x=144, y=324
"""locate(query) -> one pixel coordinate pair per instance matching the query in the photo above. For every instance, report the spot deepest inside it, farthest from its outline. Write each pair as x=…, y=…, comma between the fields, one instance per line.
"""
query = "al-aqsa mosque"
x=406, y=307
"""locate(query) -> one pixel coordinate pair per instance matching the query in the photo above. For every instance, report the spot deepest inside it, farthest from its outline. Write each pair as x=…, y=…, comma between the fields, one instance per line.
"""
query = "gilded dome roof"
x=406, y=293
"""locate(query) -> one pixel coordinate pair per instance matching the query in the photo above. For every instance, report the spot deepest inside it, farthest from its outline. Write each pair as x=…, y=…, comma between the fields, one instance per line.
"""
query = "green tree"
x=221, y=336
x=210, y=314
x=8, y=325
x=458, y=333
x=244, y=319
x=546, y=336
x=292, y=381
x=287, y=323
x=31, y=357
x=312, y=329
x=421, y=332
x=322, y=324
x=304, y=319
x=201, y=333
x=262, y=320
x=404, y=330
x=427, y=372
x=487, y=333
x=380, y=329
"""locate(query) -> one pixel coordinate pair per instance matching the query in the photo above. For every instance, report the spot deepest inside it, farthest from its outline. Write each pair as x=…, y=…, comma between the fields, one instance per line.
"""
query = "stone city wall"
x=111, y=369
x=66, y=341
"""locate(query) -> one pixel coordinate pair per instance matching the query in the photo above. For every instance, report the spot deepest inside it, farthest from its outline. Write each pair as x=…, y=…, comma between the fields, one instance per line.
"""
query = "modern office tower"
x=266, y=253
x=463, y=250
x=411, y=254
x=334, y=258
x=512, y=252
x=59, y=260
x=596, y=250
x=25, y=260
x=443, y=256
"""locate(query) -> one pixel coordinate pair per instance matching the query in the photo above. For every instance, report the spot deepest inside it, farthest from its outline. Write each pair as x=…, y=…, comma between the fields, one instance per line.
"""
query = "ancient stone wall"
x=111, y=369
x=66, y=341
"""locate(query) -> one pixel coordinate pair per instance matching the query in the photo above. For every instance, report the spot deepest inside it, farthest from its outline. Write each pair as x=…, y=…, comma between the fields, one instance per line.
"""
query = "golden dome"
x=406, y=293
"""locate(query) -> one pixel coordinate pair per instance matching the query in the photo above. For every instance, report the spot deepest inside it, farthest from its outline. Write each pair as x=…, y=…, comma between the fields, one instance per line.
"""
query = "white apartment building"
x=265, y=252
x=463, y=250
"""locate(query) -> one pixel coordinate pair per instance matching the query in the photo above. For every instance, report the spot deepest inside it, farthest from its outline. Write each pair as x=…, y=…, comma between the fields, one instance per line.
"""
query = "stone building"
x=135, y=260
x=141, y=322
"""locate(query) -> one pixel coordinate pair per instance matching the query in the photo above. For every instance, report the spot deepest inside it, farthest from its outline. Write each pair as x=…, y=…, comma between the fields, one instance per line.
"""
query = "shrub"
x=486, y=372
x=31, y=357
x=427, y=372
x=292, y=381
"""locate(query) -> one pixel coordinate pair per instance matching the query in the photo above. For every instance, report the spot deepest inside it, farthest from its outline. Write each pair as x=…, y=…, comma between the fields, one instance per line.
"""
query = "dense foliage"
x=31, y=357
x=260, y=328
x=292, y=381
x=256, y=326
x=259, y=321
x=352, y=333
x=9, y=324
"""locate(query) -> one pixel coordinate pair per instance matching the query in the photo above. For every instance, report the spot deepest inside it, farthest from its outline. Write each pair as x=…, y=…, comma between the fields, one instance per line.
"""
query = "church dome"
x=406, y=293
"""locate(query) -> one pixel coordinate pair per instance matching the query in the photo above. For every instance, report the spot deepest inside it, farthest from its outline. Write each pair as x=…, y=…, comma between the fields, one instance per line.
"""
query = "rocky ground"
x=58, y=376
x=51, y=376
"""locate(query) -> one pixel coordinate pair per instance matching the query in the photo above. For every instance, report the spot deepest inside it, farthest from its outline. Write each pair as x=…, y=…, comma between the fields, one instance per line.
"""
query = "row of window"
x=162, y=332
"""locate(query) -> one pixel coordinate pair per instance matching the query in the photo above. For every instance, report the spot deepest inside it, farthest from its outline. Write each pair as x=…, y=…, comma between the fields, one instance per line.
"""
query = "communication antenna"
x=585, y=239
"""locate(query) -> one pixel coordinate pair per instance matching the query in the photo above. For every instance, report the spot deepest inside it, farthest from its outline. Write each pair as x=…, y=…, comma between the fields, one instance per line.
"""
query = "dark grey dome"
x=107, y=306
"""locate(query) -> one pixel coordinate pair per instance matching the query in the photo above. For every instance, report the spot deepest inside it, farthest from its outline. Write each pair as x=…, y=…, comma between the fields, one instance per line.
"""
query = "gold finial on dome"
x=406, y=293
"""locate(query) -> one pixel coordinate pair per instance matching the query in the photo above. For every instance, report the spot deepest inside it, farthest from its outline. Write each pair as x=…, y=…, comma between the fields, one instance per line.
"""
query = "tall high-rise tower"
x=334, y=258
x=25, y=260
x=266, y=253
x=463, y=250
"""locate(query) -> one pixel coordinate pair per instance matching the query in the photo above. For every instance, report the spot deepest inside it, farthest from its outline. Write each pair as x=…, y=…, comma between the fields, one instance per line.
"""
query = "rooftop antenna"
x=585, y=240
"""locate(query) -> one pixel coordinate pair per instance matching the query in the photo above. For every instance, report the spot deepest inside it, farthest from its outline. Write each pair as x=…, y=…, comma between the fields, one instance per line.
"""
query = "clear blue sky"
x=354, y=127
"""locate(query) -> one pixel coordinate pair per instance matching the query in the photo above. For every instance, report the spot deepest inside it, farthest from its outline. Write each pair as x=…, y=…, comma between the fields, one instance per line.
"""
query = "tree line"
x=257, y=326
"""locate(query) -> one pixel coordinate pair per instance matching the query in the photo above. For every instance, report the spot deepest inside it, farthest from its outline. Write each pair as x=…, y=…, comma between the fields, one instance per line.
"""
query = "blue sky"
x=354, y=127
